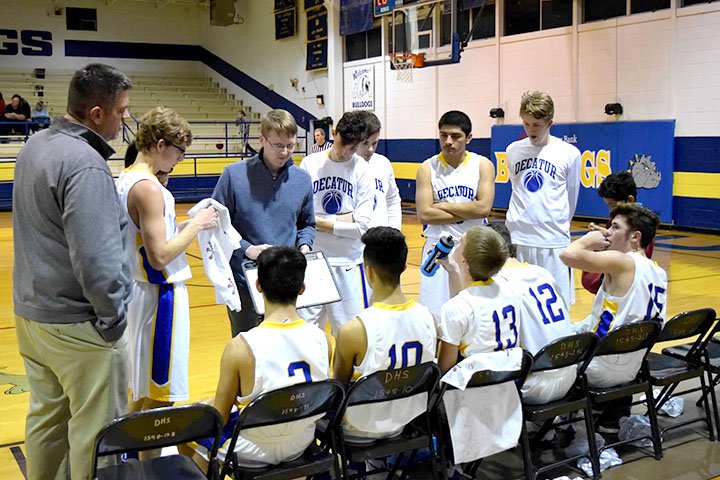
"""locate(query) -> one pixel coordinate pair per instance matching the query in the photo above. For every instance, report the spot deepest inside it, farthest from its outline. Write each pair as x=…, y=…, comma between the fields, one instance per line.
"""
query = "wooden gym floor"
x=692, y=262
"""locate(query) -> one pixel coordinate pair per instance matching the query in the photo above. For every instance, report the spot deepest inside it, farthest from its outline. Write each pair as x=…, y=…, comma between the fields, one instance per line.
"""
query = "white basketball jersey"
x=341, y=187
x=544, y=316
x=285, y=354
x=645, y=299
x=398, y=336
x=177, y=270
x=484, y=317
x=386, y=205
x=454, y=185
x=545, y=185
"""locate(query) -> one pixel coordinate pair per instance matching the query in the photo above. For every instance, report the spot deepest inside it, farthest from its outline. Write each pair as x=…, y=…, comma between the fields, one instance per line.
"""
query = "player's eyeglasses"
x=182, y=150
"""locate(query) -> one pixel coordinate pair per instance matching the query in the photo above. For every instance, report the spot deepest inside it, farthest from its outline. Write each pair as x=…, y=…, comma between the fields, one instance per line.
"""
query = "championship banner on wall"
x=645, y=149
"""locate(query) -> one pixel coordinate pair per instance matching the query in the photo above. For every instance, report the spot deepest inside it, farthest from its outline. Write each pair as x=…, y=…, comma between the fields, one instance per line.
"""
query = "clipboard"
x=320, y=285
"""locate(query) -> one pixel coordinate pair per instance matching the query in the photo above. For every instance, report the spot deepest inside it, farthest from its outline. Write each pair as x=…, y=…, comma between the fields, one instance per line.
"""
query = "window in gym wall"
x=523, y=16
x=81, y=19
x=603, y=9
x=363, y=45
x=640, y=6
x=467, y=20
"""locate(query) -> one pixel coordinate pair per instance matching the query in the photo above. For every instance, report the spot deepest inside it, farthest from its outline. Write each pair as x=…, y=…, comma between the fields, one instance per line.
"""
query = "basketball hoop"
x=404, y=62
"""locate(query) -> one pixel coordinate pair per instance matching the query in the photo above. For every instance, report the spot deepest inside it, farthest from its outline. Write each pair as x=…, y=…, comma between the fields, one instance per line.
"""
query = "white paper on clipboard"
x=320, y=286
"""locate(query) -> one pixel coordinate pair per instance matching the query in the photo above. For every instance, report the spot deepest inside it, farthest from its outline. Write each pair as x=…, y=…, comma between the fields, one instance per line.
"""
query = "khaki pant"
x=78, y=384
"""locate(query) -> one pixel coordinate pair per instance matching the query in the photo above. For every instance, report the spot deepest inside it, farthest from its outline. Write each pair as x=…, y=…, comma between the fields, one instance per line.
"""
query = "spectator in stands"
x=2, y=104
x=270, y=201
x=320, y=142
x=40, y=117
x=617, y=187
x=17, y=111
x=243, y=122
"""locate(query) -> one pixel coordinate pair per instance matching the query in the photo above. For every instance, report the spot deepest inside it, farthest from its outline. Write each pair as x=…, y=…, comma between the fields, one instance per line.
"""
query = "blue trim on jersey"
x=155, y=277
x=366, y=300
x=162, y=339
x=227, y=432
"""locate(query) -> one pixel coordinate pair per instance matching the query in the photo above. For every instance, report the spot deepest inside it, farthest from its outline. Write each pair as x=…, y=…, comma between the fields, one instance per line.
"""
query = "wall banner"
x=646, y=149
x=362, y=96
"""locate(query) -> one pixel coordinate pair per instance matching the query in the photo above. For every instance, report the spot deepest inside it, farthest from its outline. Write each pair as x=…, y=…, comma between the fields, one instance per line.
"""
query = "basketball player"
x=545, y=175
x=544, y=318
x=159, y=312
x=617, y=187
x=484, y=315
x=343, y=193
x=633, y=288
x=395, y=332
x=283, y=350
x=455, y=191
x=386, y=205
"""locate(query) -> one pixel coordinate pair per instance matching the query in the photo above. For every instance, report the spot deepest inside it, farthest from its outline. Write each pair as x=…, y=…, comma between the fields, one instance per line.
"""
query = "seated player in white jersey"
x=395, y=332
x=454, y=192
x=545, y=178
x=484, y=315
x=159, y=312
x=633, y=288
x=343, y=194
x=386, y=205
x=283, y=350
x=544, y=318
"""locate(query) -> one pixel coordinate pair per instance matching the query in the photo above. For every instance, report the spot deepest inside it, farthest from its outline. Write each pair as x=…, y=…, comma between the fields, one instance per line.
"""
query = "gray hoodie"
x=69, y=232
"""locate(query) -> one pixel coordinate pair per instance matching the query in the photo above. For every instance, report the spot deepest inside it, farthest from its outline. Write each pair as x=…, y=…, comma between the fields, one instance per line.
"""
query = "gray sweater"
x=69, y=232
x=277, y=210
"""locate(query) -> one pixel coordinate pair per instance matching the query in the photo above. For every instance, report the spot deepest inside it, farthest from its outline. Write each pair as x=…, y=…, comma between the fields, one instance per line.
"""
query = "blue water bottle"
x=441, y=250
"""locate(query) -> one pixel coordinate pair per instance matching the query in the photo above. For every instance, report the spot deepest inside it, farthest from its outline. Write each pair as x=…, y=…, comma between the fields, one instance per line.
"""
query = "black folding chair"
x=562, y=353
x=626, y=339
x=160, y=427
x=691, y=360
x=284, y=405
x=481, y=379
x=387, y=386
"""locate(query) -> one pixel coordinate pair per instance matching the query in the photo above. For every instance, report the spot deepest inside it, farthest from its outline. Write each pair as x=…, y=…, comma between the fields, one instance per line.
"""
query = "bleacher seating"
x=197, y=98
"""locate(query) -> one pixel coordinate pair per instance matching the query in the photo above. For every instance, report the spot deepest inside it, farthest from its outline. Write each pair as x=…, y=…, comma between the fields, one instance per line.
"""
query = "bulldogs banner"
x=645, y=149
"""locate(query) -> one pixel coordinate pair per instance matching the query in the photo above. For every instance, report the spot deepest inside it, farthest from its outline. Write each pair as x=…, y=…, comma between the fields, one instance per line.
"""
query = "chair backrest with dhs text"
x=160, y=427
x=487, y=388
x=634, y=338
x=387, y=386
x=574, y=350
x=290, y=404
x=668, y=371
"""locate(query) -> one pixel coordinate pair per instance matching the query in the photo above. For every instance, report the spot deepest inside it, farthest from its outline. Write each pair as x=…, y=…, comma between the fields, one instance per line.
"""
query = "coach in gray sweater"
x=71, y=281
x=270, y=203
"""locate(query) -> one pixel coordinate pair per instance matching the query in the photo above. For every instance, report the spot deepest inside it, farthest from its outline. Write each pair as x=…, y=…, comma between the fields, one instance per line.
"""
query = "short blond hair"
x=162, y=123
x=485, y=252
x=278, y=121
x=537, y=104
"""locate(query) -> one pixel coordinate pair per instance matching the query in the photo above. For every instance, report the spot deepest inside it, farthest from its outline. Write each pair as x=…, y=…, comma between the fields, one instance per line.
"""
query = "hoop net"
x=403, y=63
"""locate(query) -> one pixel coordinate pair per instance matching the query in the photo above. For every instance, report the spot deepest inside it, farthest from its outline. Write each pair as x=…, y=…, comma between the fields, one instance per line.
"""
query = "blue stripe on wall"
x=697, y=154
x=697, y=212
x=163, y=51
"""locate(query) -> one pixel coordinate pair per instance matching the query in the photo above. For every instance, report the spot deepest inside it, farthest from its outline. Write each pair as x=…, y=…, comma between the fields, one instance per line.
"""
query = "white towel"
x=486, y=420
x=217, y=246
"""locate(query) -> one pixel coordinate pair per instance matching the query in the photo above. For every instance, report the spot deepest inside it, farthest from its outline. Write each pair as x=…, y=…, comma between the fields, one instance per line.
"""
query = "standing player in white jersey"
x=283, y=350
x=395, y=332
x=634, y=288
x=484, y=315
x=343, y=195
x=545, y=178
x=544, y=317
x=159, y=312
x=386, y=205
x=454, y=192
